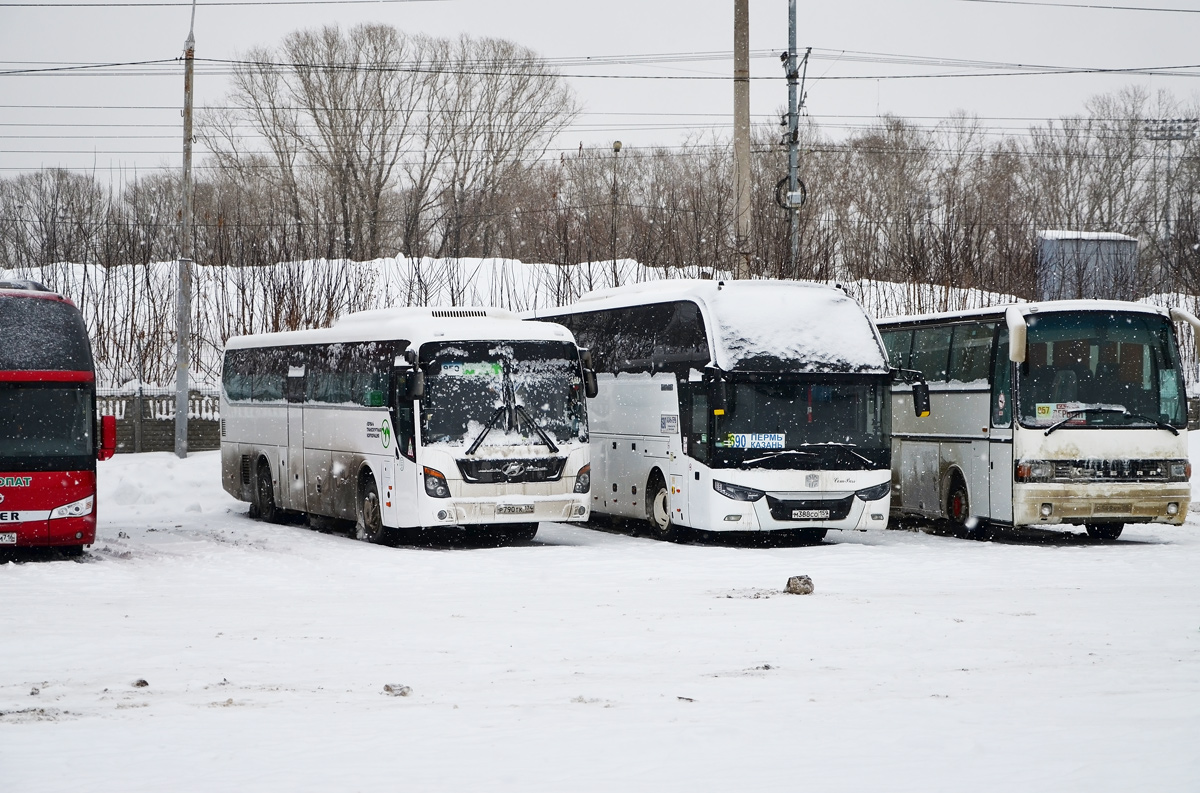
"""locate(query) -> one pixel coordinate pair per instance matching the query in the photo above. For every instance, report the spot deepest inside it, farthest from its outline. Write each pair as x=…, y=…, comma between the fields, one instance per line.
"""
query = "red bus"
x=48, y=438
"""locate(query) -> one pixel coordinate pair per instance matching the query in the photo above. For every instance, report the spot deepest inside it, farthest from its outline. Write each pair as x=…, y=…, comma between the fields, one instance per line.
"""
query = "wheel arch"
x=954, y=472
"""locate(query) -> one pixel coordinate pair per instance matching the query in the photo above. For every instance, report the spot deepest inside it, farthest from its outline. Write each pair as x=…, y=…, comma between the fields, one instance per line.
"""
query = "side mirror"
x=108, y=437
x=720, y=398
x=1017, y=330
x=590, y=387
x=416, y=384
x=921, y=399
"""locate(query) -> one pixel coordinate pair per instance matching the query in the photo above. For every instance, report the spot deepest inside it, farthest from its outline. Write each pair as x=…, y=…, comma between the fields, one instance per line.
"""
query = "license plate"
x=514, y=509
x=810, y=514
x=8, y=538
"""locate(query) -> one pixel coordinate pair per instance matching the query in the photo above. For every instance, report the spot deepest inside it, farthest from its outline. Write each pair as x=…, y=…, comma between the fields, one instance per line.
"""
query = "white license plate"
x=8, y=538
x=810, y=514
x=514, y=509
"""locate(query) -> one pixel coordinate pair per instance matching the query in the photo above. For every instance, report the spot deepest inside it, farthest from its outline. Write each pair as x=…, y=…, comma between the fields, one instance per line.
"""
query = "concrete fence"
x=146, y=418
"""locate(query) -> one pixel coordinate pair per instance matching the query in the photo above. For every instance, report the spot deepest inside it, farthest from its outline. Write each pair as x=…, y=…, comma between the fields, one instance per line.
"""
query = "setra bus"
x=1067, y=412
x=48, y=438
x=740, y=406
x=408, y=418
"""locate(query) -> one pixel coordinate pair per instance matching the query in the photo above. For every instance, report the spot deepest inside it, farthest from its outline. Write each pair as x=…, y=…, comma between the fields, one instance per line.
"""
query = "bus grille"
x=458, y=312
x=838, y=508
x=245, y=469
x=541, y=469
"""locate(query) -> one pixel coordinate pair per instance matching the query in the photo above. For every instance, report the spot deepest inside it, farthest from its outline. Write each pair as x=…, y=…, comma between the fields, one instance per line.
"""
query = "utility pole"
x=795, y=196
x=183, y=299
x=616, y=281
x=741, y=135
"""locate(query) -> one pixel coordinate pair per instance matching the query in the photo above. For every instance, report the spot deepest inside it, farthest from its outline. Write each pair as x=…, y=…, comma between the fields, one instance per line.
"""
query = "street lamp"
x=613, y=239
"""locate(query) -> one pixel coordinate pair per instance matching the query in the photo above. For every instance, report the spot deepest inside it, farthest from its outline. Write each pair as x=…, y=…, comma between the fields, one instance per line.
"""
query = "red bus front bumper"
x=27, y=500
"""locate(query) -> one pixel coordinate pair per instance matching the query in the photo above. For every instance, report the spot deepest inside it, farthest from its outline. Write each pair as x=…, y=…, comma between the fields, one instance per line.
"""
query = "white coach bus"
x=1069, y=412
x=407, y=418
x=741, y=406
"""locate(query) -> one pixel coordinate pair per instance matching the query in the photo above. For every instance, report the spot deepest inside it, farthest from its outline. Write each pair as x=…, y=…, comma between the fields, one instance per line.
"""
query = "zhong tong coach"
x=741, y=406
x=408, y=418
x=1069, y=412
x=48, y=439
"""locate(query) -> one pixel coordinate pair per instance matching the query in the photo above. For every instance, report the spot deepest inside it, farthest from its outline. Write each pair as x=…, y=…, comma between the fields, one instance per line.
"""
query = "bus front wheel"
x=264, y=494
x=958, y=510
x=369, y=526
x=659, y=511
x=1104, y=531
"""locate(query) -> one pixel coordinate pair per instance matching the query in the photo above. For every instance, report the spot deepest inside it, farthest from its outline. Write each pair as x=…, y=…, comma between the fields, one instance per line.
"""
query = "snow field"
x=589, y=660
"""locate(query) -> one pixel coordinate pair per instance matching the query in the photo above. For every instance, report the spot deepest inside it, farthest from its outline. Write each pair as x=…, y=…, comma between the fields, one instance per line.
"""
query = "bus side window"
x=931, y=353
x=237, y=375
x=1001, y=381
x=898, y=344
x=970, y=352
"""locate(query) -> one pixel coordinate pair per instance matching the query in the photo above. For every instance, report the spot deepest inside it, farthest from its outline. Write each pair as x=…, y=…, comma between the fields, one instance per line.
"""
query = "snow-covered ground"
x=589, y=660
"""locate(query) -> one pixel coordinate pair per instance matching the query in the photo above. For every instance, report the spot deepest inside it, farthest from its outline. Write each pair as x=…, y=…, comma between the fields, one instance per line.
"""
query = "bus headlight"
x=874, y=493
x=1181, y=470
x=435, y=484
x=1035, y=471
x=737, y=492
x=76, y=509
x=583, y=479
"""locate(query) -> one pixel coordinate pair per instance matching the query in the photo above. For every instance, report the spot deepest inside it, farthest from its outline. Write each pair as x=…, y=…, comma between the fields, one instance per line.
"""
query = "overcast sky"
x=109, y=121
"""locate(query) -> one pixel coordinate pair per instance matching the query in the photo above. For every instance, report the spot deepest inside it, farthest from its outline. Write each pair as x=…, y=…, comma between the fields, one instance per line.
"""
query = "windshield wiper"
x=1120, y=409
x=487, y=428
x=778, y=453
x=1162, y=425
x=541, y=433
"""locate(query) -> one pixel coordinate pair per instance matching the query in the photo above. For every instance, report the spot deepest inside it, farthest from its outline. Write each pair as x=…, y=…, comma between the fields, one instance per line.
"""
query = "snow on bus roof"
x=417, y=326
x=1041, y=307
x=818, y=326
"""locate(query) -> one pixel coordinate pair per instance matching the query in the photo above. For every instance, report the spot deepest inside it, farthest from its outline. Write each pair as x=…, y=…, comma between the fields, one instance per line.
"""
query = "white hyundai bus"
x=1067, y=412
x=740, y=406
x=406, y=418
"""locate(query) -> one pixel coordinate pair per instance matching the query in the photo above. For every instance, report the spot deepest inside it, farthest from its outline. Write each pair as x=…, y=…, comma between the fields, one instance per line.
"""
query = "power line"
x=1094, y=6
x=227, y=3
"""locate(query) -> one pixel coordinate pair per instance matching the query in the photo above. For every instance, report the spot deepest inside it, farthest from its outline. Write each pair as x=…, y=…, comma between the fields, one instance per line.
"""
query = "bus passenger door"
x=406, y=479
x=1000, y=457
x=293, y=491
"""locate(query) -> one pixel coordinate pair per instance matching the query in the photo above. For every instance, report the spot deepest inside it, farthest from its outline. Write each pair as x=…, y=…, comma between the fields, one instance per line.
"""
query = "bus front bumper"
x=1040, y=504
x=730, y=515
x=510, y=509
x=43, y=533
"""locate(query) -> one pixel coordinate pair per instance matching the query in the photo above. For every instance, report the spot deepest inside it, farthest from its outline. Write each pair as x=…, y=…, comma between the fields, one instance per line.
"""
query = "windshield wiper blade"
x=1070, y=414
x=541, y=433
x=486, y=429
x=846, y=447
x=1162, y=425
x=777, y=453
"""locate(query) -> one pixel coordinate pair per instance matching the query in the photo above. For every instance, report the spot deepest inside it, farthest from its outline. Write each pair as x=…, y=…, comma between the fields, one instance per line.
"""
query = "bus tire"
x=72, y=551
x=958, y=510
x=1104, y=531
x=264, y=494
x=658, y=510
x=369, y=525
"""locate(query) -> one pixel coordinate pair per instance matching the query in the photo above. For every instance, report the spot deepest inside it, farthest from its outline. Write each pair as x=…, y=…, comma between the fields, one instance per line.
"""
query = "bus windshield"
x=1101, y=369
x=45, y=426
x=504, y=393
x=804, y=423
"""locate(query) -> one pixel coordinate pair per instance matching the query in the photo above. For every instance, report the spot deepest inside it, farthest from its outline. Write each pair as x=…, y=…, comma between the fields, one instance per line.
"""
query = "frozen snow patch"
x=750, y=594
x=27, y=715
